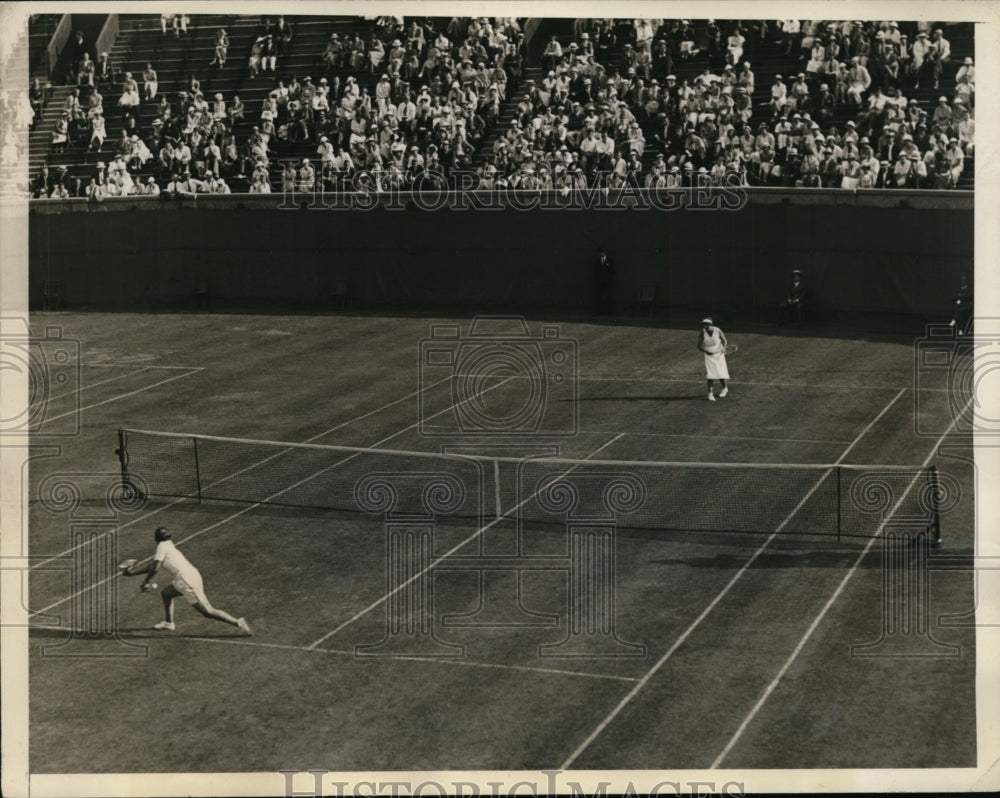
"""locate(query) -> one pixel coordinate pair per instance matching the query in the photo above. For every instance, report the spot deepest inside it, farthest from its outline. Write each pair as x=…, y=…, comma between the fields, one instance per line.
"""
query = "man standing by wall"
x=963, y=305
x=792, y=306
x=605, y=274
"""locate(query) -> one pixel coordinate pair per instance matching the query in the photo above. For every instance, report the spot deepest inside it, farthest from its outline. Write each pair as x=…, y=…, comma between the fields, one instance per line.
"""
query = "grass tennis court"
x=731, y=650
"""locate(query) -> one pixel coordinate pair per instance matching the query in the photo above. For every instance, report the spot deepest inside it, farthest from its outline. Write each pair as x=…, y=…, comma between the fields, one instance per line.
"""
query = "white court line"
x=242, y=641
x=703, y=437
x=252, y=506
x=186, y=499
x=123, y=396
x=704, y=614
x=144, y=365
x=440, y=559
x=714, y=437
x=88, y=386
x=804, y=383
x=826, y=607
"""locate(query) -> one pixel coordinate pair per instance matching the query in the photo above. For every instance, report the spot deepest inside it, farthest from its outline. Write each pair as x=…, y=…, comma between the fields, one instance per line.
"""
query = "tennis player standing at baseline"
x=712, y=341
x=186, y=582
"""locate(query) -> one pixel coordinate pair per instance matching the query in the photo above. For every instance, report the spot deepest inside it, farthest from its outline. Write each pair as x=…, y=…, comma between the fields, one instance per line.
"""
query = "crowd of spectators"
x=441, y=86
x=435, y=97
x=608, y=111
x=611, y=95
x=88, y=110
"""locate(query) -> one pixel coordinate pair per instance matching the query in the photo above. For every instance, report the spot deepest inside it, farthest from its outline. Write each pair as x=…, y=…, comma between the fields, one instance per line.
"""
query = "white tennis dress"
x=185, y=576
x=715, y=358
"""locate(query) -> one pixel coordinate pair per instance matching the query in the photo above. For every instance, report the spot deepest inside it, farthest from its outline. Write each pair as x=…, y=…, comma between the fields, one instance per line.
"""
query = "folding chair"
x=647, y=296
x=339, y=296
x=202, y=297
x=50, y=294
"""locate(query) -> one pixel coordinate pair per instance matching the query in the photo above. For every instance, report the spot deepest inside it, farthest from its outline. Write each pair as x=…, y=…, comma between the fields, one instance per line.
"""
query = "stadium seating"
x=177, y=58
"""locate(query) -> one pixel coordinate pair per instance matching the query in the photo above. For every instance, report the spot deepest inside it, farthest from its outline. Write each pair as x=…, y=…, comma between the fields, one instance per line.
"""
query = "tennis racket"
x=731, y=349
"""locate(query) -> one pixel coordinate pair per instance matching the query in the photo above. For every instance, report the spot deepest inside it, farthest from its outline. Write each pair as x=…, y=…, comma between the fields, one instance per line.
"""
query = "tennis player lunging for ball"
x=712, y=341
x=186, y=582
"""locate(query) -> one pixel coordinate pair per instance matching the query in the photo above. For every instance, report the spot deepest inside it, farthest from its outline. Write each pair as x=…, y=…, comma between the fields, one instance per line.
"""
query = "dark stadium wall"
x=866, y=259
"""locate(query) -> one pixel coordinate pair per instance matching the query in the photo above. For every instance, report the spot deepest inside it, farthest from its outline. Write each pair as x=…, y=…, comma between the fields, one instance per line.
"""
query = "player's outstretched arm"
x=138, y=568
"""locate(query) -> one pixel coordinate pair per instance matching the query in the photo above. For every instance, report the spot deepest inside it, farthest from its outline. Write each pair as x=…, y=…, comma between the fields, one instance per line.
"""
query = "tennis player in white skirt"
x=185, y=582
x=712, y=341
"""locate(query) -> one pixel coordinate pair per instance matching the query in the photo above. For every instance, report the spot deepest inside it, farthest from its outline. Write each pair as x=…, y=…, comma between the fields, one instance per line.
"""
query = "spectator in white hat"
x=955, y=159
x=325, y=151
x=817, y=57
x=779, y=94
x=965, y=81
x=260, y=185
x=307, y=177
x=219, y=186
x=104, y=71
x=734, y=47
x=269, y=53
x=919, y=52
x=218, y=107
x=858, y=79
x=334, y=54
x=98, y=133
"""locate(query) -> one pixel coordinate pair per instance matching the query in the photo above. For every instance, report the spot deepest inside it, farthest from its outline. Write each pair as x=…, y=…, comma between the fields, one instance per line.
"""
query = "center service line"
x=826, y=607
x=444, y=556
x=704, y=613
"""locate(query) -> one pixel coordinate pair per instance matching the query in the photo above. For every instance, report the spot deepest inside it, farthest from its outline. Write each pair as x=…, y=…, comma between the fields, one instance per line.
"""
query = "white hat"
x=707, y=320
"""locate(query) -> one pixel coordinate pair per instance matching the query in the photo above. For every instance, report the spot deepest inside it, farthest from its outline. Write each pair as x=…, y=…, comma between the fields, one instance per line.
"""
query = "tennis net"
x=804, y=499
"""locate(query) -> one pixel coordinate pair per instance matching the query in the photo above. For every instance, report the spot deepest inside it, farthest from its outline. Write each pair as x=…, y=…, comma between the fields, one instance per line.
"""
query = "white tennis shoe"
x=165, y=626
x=245, y=627
x=711, y=396
x=723, y=392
